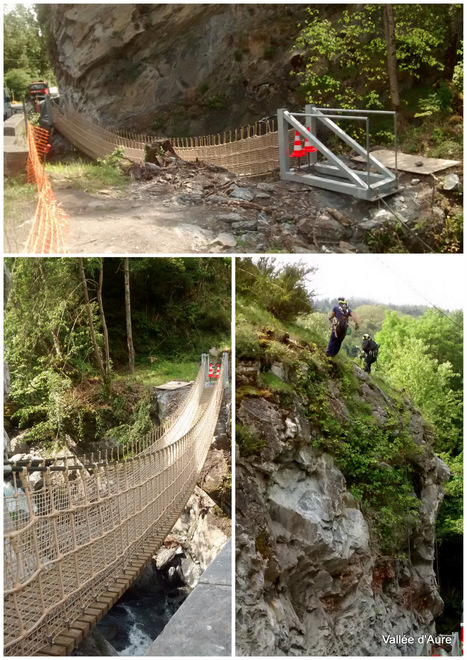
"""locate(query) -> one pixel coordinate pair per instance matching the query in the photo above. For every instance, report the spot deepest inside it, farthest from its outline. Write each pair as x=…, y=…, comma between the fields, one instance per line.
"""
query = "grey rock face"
x=310, y=580
x=131, y=63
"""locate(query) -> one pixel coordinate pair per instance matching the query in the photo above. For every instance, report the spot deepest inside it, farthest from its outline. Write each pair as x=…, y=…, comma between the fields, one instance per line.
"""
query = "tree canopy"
x=25, y=54
x=281, y=289
x=346, y=58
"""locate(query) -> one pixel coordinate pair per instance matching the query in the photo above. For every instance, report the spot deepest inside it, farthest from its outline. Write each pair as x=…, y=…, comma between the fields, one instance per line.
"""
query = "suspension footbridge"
x=74, y=545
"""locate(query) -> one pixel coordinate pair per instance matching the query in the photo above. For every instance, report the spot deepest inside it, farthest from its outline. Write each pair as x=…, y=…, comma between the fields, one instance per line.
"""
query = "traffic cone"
x=210, y=374
x=309, y=148
x=218, y=371
x=297, y=147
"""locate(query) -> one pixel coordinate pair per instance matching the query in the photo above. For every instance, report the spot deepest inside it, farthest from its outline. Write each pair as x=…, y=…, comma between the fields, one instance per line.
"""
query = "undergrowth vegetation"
x=346, y=64
x=19, y=199
x=90, y=176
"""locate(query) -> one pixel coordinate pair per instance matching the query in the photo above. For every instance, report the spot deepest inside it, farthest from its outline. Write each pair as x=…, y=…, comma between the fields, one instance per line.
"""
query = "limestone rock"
x=199, y=530
x=226, y=240
x=242, y=193
x=245, y=225
x=95, y=644
x=309, y=579
x=451, y=182
x=130, y=64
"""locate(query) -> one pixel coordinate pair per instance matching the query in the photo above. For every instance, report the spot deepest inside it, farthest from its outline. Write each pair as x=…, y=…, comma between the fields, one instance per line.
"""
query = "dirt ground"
x=197, y=208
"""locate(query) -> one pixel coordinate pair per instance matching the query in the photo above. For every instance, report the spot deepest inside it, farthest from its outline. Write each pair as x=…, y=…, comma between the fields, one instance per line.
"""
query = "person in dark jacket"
x=369, y=352
x=339, y=316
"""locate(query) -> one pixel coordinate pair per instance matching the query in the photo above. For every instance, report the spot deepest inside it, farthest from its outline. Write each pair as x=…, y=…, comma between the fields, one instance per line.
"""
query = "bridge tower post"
x=205, y=363
x=225, y=370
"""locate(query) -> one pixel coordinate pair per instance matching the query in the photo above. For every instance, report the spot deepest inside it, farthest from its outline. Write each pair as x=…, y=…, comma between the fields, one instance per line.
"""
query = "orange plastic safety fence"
x=50, y=221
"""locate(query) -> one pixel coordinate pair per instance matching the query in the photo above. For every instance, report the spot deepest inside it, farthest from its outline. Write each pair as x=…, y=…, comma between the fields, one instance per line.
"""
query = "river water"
x=135, y=621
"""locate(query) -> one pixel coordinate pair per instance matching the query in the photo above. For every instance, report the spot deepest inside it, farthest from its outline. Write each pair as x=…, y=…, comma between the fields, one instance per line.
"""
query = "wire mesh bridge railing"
x=69, y=544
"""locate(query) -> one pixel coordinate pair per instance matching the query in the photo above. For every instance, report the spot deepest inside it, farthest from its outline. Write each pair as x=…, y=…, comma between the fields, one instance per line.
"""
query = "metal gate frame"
x=334, y=174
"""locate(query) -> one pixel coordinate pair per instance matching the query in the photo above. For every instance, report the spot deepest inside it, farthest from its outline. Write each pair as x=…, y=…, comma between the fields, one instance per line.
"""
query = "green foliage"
x=246, y=340
x=180, y=306
x=25, y=48
x=458, y=77
x=17, y=81
x=436, y=137
x=238, y=55
x=138, y=424
x=282, y=290
x=216, y=101
x=42, y=352
x=371, y=319
x=163, y=371
x=112, y=160
x=249, y=441
x=424, y=358
x=452, y=234
x=89, y=176
x=440, y=101
x=421, y=355
x=16, y=195
x=450, y=519
x=388, y=238
x=371, y=456
x=346, y=60
x=274, y=383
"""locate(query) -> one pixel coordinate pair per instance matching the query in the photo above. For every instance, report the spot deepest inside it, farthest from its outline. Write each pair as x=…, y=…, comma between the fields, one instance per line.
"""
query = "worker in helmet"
x=369, y=351
x=339, y=317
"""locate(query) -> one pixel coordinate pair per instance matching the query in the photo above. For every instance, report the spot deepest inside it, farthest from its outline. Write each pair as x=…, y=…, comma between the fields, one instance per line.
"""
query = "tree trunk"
x=129, y=333
x=390, y=33
x=454, y=25
x=92, y=332
x=103, y=322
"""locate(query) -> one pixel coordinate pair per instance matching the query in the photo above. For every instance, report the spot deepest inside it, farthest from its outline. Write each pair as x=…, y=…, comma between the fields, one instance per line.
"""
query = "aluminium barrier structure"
x=73, y=545
x=333, y=173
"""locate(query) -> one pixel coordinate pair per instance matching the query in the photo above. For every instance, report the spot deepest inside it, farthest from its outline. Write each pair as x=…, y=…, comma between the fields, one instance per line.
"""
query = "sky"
x=420, y=279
